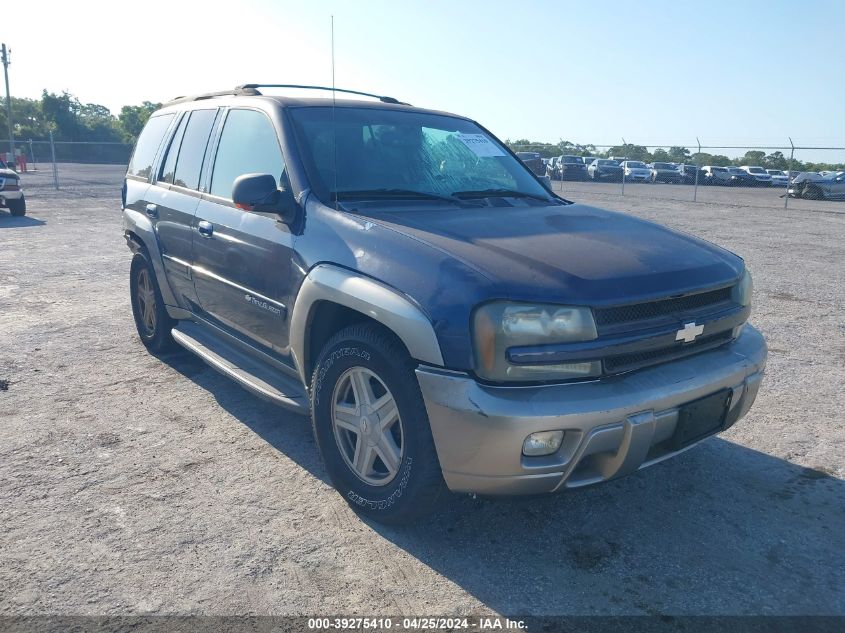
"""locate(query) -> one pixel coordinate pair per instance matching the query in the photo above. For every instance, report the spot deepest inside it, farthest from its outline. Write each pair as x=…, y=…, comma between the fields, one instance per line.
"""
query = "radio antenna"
x=334, y=123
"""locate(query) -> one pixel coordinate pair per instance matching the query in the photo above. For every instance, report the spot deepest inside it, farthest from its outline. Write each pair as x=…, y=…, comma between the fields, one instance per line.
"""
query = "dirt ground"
x=131, y=484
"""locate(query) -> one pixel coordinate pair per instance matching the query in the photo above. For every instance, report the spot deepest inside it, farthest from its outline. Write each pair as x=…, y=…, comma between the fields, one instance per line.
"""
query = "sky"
x=651, y=72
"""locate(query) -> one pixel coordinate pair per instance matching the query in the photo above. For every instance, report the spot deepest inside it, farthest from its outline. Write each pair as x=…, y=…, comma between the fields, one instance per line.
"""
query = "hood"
x=574, y=253
x=8, y=173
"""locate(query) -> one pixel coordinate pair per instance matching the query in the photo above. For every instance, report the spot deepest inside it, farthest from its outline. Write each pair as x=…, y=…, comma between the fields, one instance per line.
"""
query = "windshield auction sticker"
x=480, y=144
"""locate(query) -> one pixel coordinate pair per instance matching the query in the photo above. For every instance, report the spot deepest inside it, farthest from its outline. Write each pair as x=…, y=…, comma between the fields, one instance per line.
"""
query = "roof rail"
x=252, y=90
x=240, y=90
x=381, y=98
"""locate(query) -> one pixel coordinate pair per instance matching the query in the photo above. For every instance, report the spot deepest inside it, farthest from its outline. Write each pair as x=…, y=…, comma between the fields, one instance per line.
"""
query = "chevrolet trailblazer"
x=446, y=321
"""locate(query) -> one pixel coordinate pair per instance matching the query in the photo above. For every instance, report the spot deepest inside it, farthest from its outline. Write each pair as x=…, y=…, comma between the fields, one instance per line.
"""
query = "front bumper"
x=613, y=426
x=10, y=195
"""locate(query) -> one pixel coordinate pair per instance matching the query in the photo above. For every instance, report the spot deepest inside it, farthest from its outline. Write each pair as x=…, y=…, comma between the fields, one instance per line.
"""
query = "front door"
x=242, y=259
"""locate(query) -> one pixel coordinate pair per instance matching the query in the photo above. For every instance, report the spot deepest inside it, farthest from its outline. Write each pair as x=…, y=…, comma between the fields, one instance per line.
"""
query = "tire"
x=151, y=318
x=17, y=207
x=363, y=358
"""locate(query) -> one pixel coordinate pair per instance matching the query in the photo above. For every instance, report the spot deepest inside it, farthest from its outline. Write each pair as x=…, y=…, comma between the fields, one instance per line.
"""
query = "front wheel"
x=371, y=426
x=17, y=207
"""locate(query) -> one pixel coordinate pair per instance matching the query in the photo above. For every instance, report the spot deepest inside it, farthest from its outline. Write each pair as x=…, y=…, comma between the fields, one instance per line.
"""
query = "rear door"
x=242, y=259
x=174, y=197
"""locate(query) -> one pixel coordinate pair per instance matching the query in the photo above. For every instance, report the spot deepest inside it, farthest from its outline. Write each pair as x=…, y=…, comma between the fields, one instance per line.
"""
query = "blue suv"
x=447, y=322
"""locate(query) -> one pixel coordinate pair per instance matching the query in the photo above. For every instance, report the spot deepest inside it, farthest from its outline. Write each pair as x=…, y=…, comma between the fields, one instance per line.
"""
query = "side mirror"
x=259, y=192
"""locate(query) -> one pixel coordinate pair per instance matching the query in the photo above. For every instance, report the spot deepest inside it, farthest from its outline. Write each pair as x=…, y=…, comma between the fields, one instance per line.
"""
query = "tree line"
x=70, y=120
x=675, y=154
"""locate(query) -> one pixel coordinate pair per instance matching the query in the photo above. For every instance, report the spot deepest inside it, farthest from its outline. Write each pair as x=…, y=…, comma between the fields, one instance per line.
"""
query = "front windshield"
x=612, y=163
x=569, y=160
x=635, y=165
x=663, y=166
x=756, y=170
x=387, y=150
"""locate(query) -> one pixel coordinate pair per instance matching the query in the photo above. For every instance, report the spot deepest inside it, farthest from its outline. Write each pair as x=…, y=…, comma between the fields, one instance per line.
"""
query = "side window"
x=147, y=146
x=192, y=149
x=168, y=169
x=248, y=145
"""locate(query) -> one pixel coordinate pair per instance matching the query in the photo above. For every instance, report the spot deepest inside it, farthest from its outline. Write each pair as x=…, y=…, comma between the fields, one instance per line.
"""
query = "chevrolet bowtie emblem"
x=688, y=333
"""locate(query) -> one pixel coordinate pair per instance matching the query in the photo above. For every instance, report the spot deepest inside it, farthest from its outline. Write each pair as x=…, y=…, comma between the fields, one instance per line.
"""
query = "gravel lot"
x=132, y=484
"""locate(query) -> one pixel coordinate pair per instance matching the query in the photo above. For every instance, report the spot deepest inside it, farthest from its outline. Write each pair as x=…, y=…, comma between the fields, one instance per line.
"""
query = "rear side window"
x=248, y=145
x=168, y=169
x=192, y=149
x=147, y=146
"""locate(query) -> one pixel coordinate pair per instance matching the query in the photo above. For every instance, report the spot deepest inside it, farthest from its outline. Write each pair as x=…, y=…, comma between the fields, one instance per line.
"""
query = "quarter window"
x=192, y=149
x=248, y=145
x=168, y=169
x=147, y=146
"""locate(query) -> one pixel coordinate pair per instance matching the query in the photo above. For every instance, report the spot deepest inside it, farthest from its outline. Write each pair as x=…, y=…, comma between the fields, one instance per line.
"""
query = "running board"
x=255, y=376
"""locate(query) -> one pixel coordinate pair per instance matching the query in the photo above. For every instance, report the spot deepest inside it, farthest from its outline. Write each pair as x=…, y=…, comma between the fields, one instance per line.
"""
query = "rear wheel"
x=151, y=318
x=371, y=426
x=17, y=207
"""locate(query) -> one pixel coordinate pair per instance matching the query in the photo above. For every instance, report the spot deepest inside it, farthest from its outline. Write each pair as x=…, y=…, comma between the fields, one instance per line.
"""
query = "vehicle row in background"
x=615, y=168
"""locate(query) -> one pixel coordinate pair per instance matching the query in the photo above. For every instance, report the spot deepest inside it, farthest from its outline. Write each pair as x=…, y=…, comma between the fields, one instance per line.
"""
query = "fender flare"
x=344, y=287
x=138, y=225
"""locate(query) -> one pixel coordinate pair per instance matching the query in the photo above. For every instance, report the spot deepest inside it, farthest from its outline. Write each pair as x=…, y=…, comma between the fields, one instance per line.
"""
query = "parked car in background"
x=533, y=161
x=813, y=186
x=11, y=195
x=588, y=160
x=779, y=177
x=761, y=176
x=636, y=171
x=715, y=175
x=687, y=174
x=665, y=172
x=604, y=169
x=740, y=177
x=571, y=168
x=536, y=164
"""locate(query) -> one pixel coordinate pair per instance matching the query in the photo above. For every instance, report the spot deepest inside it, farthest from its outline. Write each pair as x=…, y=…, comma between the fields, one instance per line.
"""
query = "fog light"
x=542, y=443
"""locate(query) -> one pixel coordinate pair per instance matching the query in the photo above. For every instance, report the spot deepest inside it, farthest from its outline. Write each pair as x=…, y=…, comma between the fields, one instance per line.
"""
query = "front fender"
x=369, y=297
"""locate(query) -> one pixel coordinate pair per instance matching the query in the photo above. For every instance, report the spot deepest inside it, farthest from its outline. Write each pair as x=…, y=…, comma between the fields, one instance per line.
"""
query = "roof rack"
x=252, y=90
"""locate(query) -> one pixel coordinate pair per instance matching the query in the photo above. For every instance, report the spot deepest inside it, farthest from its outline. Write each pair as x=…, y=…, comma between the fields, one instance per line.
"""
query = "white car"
x=636, y=171
x=760, y=175
x=11, y=195
x=779, y=178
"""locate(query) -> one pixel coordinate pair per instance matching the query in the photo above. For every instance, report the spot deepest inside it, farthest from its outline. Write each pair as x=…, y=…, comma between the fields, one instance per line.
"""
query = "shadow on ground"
x=722, y=529
x=8, y=221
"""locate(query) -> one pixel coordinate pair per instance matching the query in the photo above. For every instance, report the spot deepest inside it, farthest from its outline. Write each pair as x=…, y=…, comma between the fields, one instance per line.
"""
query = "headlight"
x=742, y=292
x=500, y=325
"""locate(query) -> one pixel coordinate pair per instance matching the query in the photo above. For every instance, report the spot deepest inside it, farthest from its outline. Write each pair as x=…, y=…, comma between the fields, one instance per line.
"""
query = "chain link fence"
x=788, y=176
x=51, y=167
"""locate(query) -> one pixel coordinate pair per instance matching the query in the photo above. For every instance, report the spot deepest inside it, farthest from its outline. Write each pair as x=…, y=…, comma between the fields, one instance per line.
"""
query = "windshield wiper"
x=499, y=193
x=394, y=194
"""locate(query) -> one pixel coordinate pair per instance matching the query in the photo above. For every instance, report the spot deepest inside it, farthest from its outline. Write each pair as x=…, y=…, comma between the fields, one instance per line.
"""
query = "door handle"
x=152, y=210
x=205, y=228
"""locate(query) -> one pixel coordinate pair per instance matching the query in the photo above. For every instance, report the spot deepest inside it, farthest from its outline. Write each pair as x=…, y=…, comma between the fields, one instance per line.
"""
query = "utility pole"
x=6, y=62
